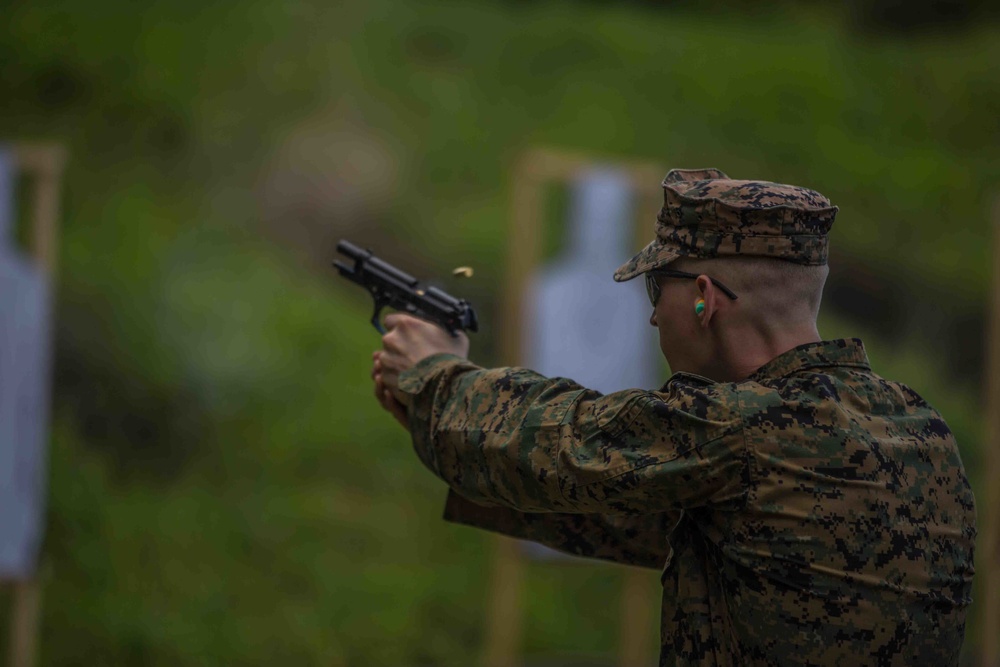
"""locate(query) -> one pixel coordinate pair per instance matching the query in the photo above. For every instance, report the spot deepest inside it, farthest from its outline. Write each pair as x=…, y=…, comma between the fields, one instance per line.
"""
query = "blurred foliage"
x=921, y=16
x=224, y=489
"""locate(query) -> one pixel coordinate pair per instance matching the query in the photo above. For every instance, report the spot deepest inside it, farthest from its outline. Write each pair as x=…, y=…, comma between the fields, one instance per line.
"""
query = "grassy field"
x=224, y=490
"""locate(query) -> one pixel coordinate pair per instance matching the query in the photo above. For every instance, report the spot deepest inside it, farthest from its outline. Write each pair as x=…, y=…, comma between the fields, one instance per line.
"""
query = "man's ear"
x=708, y=292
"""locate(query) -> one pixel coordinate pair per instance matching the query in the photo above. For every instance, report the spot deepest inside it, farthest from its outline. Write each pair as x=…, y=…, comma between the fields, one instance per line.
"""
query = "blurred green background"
x=224, y=489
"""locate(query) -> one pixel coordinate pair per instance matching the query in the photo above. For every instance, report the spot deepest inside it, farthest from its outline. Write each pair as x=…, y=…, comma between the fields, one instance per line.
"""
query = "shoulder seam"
x=559, y=448
x=748, y=461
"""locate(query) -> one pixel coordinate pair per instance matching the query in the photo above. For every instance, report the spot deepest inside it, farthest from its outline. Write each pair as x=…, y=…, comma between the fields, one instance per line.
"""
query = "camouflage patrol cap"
x=706, y=214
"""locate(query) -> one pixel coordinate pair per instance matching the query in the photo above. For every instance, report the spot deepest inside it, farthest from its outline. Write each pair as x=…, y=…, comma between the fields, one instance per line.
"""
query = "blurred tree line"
x=878, y=17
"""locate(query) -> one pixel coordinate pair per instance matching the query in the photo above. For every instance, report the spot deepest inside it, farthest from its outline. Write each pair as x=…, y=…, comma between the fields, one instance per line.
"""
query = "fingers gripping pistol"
x=391, y=287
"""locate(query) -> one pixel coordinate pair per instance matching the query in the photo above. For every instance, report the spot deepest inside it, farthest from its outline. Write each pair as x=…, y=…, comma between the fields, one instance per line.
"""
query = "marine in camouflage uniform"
x=811, y=513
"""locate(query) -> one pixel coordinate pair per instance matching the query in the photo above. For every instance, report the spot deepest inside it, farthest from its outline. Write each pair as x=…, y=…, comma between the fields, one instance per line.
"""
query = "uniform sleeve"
x=638, y=539
x=511, y=437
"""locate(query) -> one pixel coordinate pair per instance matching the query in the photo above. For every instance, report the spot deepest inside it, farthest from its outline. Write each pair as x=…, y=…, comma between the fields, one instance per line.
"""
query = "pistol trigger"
x=376, y=322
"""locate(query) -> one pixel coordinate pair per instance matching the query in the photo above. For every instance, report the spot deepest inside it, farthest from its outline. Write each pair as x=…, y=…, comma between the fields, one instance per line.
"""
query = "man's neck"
x=741, y=352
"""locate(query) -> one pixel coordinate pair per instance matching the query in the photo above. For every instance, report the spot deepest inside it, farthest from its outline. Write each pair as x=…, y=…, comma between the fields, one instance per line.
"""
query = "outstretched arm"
x=509, y=436
x=640, y=540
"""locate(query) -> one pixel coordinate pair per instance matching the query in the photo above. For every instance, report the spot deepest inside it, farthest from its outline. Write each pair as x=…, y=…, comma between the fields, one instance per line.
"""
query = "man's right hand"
x=408, y=341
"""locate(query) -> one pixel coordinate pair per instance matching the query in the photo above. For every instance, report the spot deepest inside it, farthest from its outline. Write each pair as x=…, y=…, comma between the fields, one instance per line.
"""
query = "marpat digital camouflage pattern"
x=706, y=214
x=812, y=514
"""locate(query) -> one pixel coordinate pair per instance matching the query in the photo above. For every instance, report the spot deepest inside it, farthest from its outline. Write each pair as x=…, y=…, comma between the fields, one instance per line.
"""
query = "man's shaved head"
x=775, y=290
x=727, y=340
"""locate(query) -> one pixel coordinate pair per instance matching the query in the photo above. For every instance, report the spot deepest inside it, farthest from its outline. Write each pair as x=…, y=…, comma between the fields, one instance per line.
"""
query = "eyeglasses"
x=653, y=286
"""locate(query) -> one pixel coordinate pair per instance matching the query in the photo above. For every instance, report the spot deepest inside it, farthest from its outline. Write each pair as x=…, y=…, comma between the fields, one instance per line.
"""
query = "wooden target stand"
x=43, y=165
x=534, y=171
x=988, y=561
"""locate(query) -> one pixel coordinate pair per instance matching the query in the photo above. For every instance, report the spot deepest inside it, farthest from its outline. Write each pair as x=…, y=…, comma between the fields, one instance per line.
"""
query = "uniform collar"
x=825, y=353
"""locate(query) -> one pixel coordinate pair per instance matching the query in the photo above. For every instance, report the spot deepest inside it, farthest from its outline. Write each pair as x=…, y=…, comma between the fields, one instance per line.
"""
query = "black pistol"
x=391, y=287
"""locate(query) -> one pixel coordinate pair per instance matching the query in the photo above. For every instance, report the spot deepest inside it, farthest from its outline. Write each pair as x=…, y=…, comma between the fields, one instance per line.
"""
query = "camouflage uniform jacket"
x=812, y=514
